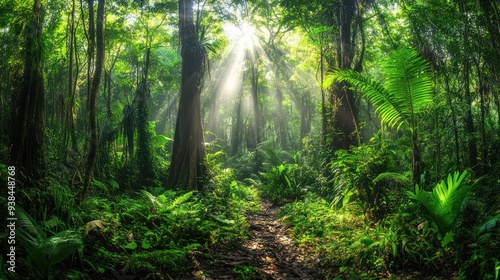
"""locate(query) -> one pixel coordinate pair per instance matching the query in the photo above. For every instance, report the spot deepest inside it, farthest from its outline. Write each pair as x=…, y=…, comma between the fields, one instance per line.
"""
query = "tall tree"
x=344, y=109
x=339, y=25
x=96, y=33
x=26, y=148
x=187, y=167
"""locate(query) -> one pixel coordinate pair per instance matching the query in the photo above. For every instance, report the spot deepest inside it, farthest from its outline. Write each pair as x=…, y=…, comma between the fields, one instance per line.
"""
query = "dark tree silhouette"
x=98, y=35
x=26, y=148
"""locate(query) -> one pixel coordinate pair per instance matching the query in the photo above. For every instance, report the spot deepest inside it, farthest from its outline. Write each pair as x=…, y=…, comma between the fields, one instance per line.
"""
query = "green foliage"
x=483, y=261
x=157, y=229
x=280, y=184
x=406, y=90
x=345, y=237
x=340, y=236
x=366, y=174
x=45, y=252
x=444, y=203
x=284, y=178
x=245, y=272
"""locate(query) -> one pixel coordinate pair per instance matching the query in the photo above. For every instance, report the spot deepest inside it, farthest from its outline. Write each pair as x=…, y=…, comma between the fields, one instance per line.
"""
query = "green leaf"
x=60, y=246
x=366, y=241
x=131, y=246
x=145, y=245
x=406, y=88
x=444, y=203
x=488, y=224
x=114, y=184
x=447, y=238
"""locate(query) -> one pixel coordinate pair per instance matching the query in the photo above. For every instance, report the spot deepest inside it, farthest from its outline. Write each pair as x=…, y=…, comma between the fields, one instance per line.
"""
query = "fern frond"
x=406, y=74
x=153, y=199
x=392, y=176
x=406, y=90
x=385, y=101
x=178, y=201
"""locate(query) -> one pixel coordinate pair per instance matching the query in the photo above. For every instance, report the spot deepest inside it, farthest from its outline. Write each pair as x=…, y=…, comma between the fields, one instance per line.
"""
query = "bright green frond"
x=443, y=204
x=406, y=75
x=406, y=89
x=380, y=97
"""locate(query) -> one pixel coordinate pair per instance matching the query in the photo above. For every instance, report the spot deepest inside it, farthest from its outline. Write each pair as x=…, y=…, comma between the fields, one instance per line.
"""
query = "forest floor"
x=269, y=253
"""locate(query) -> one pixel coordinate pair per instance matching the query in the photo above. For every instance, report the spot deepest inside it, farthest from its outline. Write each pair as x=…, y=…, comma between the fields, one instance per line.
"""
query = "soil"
x=269, y=253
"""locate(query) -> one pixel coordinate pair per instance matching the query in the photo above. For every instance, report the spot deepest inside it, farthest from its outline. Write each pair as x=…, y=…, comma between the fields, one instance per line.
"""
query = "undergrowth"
x=148, y=232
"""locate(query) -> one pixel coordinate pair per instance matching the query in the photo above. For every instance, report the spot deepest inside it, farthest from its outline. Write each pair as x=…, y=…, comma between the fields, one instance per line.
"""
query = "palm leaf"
x=406, y=90
x=60, y=246
x=31, y=236
x=406, y=75
x=444, y=203
x=384, y=100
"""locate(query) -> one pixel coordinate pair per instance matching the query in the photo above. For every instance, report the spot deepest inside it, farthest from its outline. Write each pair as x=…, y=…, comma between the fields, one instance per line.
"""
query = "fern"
x=444, y=203
x=406, y=88
x=179, y=200
x=162, y=205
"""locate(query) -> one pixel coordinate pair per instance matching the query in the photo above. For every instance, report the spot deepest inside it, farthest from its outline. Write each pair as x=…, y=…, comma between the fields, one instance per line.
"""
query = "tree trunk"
x=343, y=128
x=187, y=168
x=144, y=153
x=236, y=129
x=26, y=149
x=69, y=121
x=469, y=122
x=92, y=98
x=282, y=124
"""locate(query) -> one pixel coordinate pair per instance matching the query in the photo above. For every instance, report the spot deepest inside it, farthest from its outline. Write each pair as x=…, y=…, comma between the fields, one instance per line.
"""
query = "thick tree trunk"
x=187, y=168
x=92, y=98
x=343, y=127
x=26, y=149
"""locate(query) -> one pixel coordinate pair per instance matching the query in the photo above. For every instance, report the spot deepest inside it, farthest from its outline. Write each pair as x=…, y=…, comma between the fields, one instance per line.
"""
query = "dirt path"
x=268, y=254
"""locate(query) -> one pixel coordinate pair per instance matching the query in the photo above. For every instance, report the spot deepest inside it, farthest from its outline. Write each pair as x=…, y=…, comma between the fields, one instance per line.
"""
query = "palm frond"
x=385, y=101
x=406, y=89
x=445, y=202
x=406, y=75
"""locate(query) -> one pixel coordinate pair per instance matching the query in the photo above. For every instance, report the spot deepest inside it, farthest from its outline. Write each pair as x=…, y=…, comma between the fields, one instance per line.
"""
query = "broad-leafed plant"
x=443, y=204
x=45, y=252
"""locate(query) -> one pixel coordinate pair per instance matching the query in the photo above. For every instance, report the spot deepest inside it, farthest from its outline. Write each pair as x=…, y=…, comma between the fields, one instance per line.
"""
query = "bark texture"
x=187, y=168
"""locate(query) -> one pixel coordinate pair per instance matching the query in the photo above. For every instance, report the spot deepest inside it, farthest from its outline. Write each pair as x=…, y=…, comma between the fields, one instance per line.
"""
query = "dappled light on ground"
x=269, y=253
